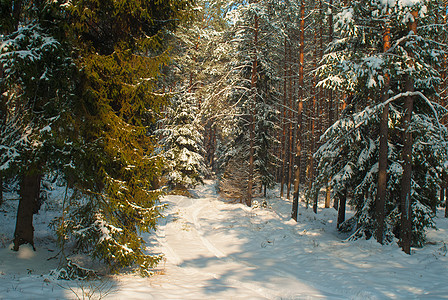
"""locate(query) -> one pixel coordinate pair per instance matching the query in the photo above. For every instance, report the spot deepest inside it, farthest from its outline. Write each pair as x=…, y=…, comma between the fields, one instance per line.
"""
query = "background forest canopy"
x=339, y=102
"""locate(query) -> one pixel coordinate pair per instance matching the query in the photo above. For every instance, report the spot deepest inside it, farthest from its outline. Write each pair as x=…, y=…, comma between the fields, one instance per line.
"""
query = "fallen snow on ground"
x=218, y=250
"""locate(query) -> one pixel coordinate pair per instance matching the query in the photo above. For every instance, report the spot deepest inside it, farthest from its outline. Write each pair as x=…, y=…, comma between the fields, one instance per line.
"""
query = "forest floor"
x=218, y=250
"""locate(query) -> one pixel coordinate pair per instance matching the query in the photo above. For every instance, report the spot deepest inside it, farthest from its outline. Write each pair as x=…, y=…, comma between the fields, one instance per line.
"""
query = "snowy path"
x=218, y=250
x=204, y=257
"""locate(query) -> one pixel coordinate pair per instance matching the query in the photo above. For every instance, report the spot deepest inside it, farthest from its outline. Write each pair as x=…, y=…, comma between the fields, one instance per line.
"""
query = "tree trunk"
x=442, y=193
x=330, y=92
x=252, y=117
x=28, y=205
x=336, y=203
x=342, y=205
x=291, y=129
x=313, y=116
x=444, y=85
x=383, y=149
x=327, y=195
x=446, y=200
x=405, y=199
x=382, y=175
x=330, y=97
x=1, y=189
x=213, y=148
x=284, y=152
x=443, y=102
x=16, y=13
x=295, y=201
x=298, y=156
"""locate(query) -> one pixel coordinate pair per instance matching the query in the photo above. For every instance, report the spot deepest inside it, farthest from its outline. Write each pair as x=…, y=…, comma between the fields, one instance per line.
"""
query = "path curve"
x=199, y=246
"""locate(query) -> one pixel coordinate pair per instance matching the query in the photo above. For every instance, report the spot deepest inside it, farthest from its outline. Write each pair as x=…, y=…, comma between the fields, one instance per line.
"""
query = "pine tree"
x=357, y=64
x=253, y=73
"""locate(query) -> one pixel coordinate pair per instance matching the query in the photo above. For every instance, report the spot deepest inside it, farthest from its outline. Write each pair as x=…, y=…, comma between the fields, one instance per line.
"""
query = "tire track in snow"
x=199, y=206
x=192, y=214
x=215, y=251
x=170, y=254
x=227, y=258
x=193, y=211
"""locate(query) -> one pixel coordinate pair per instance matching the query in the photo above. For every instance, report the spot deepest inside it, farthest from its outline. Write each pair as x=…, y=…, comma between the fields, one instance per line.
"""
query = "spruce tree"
x=252, y=75
x=37, y=86
x=182, y=143
x=198, y=66
x=357, y=64
x=115, y=170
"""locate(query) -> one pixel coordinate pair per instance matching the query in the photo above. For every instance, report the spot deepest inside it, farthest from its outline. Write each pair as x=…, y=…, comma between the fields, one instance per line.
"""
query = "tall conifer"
x=120, y=52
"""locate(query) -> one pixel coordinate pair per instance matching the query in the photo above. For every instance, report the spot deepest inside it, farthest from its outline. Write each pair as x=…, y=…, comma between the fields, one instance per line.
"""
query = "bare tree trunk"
x=28, y=205
x=1, y=189
x=443, y=97
x=291, y=129
x=443, y=102
x=446, y=198
x=442, y=194
x=284, y=152
x=213, y=150
x=342, y=205
x=16, y=13
x=295, y=203
x=382, y=175
x=327, y=196
x=383, y=149
x=313, y=116
x=330, y=97
x=330, y=92
x=253, y=85
x=336, y=203
x=405, y=199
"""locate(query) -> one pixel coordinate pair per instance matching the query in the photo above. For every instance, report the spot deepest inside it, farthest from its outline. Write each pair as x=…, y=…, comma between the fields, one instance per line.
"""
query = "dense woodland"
x=342, y=103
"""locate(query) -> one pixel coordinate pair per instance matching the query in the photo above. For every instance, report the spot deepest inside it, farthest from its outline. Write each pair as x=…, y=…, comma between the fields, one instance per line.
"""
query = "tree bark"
x=383, y=149
x=382, y=175
x=298, y=156
x=295, y=201
x=1, y=189
x=443, y=102
x=330, y=97
x=444, y=85
x=442, y=194
x=284, y=152
x=405, y=199
x=291, y=129
x=327, y=196
x=342, y=205
x=252, y=117
x=336, y=203
x=446, y=200
x=16, y=13
x=313, y=125
x=28, y=205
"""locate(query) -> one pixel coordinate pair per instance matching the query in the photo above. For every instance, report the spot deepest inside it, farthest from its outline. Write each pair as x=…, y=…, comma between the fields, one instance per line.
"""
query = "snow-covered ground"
x=218, y=250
